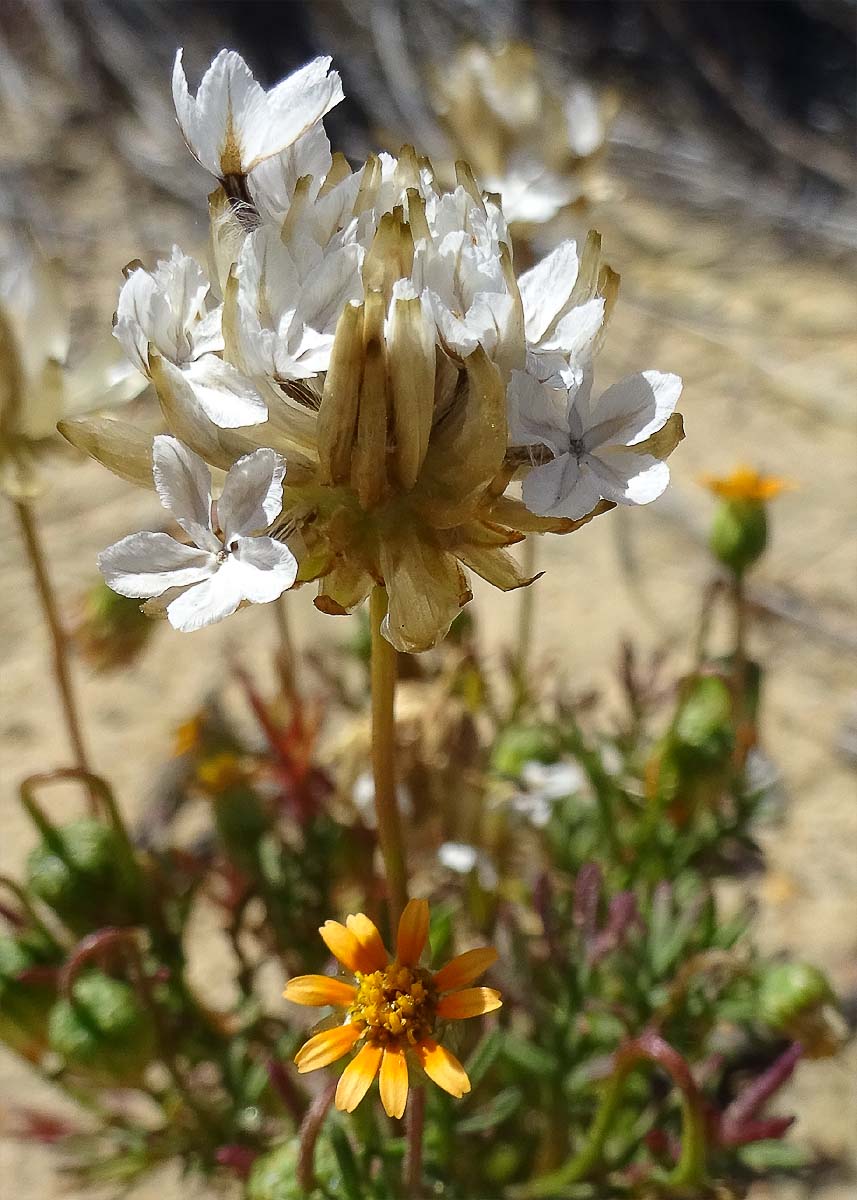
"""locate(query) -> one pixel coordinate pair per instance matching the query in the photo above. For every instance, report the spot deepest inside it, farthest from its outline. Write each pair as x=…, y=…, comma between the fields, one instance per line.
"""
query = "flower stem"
x=286, y=660
x=526, y=614
x=415, y=1123
x=62, y=674
x=383, y=760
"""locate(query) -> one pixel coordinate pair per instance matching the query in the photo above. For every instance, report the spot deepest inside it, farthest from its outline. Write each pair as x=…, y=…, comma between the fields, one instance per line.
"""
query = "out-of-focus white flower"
x=233, y=125
x=584, y=120
x=545, y=783
x=363, y=795
x=226, y=563
x=531, y=194
x=603, y=449
x=38, y=386
x=531, y=137
x=167, y=310
x=462, y=858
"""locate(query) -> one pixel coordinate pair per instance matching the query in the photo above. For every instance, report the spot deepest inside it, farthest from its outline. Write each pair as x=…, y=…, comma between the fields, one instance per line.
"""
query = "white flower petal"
x=538, y=412
x=233, y=125
x=132, y=320
x=628, y=477
x=327, y=291
x=147, y=564
x=164, y=309
x=633, y=409
x=227, y=397
x=576, y=330
x=291, y=109
x=561, y=488
x=227, y=101
x=272, y=184
x=546, y=288
x=584, y=125
x=252, y=494
x=205, y=603
x=263, y=567
x=183, y=483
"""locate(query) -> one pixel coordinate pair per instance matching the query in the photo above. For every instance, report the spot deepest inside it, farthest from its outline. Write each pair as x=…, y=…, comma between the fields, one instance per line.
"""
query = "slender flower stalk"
x=286, y=660
x=414, y=1143
x=388, y=818
x=59, y=641
x=526, y=614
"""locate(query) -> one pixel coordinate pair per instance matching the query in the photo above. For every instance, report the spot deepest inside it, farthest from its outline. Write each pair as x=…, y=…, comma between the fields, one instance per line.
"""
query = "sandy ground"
x=764, y=338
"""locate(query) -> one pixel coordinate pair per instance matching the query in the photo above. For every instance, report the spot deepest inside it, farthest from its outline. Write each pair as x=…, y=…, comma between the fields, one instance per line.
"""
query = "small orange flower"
x=745, y=483
x=392, y=1009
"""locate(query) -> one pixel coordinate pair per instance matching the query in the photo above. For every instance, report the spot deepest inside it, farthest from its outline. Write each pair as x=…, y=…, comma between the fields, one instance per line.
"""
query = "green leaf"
x=484, y=1056
x=504, y=1105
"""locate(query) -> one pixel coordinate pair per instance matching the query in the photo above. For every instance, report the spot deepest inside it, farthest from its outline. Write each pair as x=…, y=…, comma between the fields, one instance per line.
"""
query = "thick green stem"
x=383, y=760
x=59, y=643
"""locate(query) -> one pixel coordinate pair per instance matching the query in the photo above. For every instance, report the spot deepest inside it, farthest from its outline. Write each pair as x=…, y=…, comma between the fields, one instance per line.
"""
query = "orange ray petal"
x=394, y=1082
x=472, y=1002
x=443, y=1068
x=342, y=944
x=357, y=1077
x=326, y=1047
x=465, y=968
x=373, y=952
x=316, y=990
x=413, y=932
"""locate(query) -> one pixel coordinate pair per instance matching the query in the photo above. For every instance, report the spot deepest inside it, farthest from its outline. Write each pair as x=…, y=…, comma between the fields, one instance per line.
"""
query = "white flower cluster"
x=299, y=238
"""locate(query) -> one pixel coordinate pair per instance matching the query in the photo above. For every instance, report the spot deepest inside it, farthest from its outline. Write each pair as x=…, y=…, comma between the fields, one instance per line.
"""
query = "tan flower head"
x=365, y=330
x=393, y=1011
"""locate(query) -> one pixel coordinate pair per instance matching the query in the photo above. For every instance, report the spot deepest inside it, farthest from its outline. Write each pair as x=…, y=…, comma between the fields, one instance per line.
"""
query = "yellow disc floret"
x=396, y=1004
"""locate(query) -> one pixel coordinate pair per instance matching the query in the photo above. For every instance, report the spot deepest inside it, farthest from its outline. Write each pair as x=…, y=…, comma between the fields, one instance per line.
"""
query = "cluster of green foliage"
x=641, y=1035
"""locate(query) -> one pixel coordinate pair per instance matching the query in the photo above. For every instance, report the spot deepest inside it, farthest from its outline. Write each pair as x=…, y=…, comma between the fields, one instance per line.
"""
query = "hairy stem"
x=383, y=760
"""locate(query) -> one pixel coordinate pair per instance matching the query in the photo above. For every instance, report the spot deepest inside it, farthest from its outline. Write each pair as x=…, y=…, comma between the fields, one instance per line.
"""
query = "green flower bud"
x=739, y=533
x=519, y=744
x=24, y=1006
x=703, y=735
x=103, y=1029
x=796, y=999
x=81, y=873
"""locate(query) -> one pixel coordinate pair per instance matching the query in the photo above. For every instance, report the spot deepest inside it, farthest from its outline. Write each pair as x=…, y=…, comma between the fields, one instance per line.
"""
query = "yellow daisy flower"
x=745, y=483
x=392, y=1009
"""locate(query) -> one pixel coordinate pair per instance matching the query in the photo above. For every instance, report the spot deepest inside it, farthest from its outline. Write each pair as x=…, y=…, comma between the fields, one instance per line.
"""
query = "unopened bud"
x=103, y=1029
x=739, y=533
x=796, y=999
x=80, y=873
